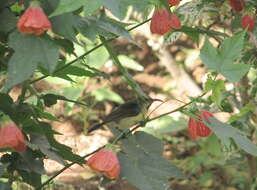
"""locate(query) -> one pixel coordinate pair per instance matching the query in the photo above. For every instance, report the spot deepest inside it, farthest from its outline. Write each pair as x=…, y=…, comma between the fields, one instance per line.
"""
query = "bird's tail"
x=97, y=126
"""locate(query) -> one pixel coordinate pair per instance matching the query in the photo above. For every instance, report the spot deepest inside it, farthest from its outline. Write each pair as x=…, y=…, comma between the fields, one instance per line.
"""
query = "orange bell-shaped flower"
x=106, y=162
x=34, y=21
x=248, y=21
x=198, y=128
x=163, y=21
x=237, y=5
x=11, y=136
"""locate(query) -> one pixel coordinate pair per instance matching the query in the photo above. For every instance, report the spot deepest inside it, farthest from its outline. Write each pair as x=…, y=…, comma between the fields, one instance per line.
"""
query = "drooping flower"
x=163, y=21
x=34, y=21
x=173, y=2
x=197, y=127
x=248, y=21
x=237, y=5
x=106, y=162
x=11, y=136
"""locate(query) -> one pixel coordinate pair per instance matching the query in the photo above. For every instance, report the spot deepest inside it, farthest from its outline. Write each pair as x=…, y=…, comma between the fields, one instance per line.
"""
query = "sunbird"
x=126, y=115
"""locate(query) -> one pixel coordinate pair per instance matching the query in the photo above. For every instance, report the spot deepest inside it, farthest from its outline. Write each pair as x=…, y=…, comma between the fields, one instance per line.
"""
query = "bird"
x=127, y=114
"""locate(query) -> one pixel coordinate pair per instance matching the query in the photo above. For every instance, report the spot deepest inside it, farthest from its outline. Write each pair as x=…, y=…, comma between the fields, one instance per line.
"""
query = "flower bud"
x=197, y=127
x=173, y=2
x=34, y=21
x=237, y=5
x=248, y=22
x=11, y=136
x=106, y=162
x=163, y=21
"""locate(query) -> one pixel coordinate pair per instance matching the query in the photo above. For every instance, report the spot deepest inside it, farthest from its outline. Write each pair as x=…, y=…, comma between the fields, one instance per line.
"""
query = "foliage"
x=74, y=51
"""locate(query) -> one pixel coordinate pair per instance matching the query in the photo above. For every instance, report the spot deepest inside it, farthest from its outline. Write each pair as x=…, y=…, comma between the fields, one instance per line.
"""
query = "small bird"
x=127, y=114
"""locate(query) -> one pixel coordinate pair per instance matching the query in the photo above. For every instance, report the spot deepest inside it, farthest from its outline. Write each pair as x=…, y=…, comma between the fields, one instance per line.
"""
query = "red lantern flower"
x=197, y=127
x=11, y=136
x=173, y=2
x=237, y=5
x=163, y=21
x=34, y=21
x=248, y=22
x=106, y=162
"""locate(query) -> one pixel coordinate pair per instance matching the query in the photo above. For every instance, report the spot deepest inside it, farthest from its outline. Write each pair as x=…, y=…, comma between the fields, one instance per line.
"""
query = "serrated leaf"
x=231, y=48
x=66, y=6
x=44, y=115
x=91, y=6
x=142, y=163
x=243, y=112
x=216, y=86
x=65, y=25
x=8, y=20
x=30, y=163
x=30, y=51
x=6, y=104
x=41, y=143
x=76, y=71
x=31, y=178
x=209, y=55
x=117, y=7
x=225, y=132
x=222, y=59
x=104, y=26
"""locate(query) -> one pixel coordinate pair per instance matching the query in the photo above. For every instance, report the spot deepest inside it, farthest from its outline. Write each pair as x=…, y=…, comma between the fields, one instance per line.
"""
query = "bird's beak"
x=155, y=99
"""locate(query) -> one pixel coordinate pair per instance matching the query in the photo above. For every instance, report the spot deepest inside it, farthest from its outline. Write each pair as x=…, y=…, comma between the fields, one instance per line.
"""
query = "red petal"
x=173, y=2
x=237, y=5
x=161, y=21
x=11, y=136
x=248, y=21
x=175, y=22
x=34, y=21
x=105, y=161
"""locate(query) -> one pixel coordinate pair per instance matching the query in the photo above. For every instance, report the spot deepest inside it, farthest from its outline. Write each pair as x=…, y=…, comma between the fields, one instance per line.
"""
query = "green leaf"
x=209, y=55
x=4, y=186
x=8, y=20
x=225, y=132
x=243, y=112
x=6, y=104
x=30, y=163
x=234, y=72
x=231, y=48
x=42, y=114
x=165, y=125
x=104, y=26
x=212, y=146
x=91, y=6
x=41, y=143
x=30, y=50
x=50, y=99
x=216, y=86
x=117, y=7
x=66, y=6
x=130, y=63
x=222, y=59
x=192, y=33
x=2, y=168
x=31, y=178
x=65, y=25
x=76, y=71
x=142, y=163
x=106, y=94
